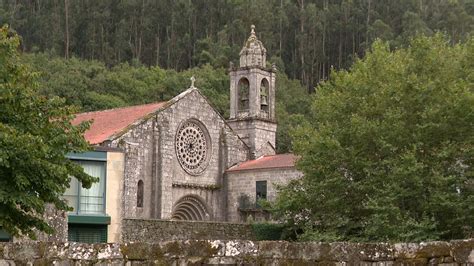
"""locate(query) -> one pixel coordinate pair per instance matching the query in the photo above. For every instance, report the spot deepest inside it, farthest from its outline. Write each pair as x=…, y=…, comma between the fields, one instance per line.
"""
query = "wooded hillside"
x=306, y=38
x=111, y=53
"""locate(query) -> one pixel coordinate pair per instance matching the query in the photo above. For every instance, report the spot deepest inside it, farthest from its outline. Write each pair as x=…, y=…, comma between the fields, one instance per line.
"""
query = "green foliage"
x=310, y=37
x=388, y=153
x=293, y=104
x=93, y=86
x=35, y=135
x=267, y=231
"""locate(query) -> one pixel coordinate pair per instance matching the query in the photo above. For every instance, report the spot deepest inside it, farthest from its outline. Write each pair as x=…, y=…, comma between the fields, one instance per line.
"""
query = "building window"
x=264, y=95
x=87, y=233
x=4, y=236
x=243, y=91
x=261, y=191
x=92, y=200
x=140, y=194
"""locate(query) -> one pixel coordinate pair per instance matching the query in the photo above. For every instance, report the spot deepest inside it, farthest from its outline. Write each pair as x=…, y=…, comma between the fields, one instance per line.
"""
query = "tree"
x=311, y=37
x=35, y=135
x=389, y=152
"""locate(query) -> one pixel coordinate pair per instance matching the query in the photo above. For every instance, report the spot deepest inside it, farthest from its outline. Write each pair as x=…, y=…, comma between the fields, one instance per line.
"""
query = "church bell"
x=264, y=100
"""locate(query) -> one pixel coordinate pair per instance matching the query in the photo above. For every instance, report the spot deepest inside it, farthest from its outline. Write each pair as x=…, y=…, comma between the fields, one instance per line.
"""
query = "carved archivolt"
x=190, y=208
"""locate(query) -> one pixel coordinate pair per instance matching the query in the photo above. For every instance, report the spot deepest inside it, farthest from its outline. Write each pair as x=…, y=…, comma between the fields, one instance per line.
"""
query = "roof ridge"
x=284, y=160
x=277, y=154
x=119, y=108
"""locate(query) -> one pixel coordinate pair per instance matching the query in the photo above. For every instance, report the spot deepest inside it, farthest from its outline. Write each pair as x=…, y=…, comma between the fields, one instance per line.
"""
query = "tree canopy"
x=308, y=37
x=35, y=135
x=92, y=85
x=389, y=151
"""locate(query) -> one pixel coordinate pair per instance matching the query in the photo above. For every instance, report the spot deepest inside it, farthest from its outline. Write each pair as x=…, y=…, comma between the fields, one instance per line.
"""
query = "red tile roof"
x=109, y=122
x=266, y=162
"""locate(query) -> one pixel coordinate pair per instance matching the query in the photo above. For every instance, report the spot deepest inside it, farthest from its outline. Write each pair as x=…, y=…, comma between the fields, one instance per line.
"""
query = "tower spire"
x=252, y=30
x=252, y=97
x=253, y=54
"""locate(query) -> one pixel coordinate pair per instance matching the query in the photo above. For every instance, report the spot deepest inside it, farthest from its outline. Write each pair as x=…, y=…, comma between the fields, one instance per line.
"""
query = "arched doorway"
x=190, y=208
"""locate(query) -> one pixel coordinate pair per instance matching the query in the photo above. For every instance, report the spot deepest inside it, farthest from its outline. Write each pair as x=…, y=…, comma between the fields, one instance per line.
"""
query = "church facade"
x=181, y=160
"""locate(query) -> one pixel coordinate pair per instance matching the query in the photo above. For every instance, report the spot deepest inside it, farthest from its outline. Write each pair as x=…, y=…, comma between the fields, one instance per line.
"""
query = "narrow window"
x=140, y=194
x=261, y=191
x=243, y=94
x=264, y=95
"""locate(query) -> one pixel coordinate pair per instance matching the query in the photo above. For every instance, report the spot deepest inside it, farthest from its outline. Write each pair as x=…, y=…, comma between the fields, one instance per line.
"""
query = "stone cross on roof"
x=193, y=79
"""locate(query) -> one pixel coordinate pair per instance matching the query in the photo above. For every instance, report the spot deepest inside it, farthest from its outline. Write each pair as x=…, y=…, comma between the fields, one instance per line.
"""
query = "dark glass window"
x=243, y=90
x=261, y=190
x=4, y=236
x=87, y=233
x=264, y=95
x=140, y=194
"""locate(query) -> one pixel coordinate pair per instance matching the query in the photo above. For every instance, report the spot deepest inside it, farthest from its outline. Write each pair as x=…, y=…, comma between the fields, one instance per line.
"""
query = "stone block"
x=173, y=249
x=81, y=251
x=462, y=250
x=433, y=249
x=342, y=251
x=108, y=251
x=2, y=248
x=199, y=248
x=240, y=248
x=406, y=250
x=56, y=250
x=411, y=262
x=23, y=251
x=7, y=263
x=117, y=262
x=219, y=245
x=141, y=251
x=435, y=261
x=373, y=251
x=272, y=249
x=315, y=251
x=448, y=259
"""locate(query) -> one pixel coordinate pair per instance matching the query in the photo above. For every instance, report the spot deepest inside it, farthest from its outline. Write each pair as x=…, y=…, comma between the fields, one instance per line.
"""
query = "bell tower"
x=252, y=98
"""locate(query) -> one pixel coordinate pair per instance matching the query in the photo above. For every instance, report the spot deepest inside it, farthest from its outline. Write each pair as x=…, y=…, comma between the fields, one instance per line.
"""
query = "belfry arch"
x=190, y=208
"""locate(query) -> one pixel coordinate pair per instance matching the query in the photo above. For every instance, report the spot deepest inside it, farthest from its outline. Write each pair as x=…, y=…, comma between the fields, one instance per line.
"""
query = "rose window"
x=192, y=147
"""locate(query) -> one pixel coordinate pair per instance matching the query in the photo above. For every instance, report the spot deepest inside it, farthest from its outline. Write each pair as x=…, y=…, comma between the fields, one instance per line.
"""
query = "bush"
x=267, y=231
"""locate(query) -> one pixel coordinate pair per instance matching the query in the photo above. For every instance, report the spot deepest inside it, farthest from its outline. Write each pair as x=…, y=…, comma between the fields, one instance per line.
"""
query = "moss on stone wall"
x=198, y=252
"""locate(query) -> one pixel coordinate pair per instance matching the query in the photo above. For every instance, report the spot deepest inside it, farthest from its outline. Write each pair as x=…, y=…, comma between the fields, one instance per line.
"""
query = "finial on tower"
x=253, y=54
x=193, y=79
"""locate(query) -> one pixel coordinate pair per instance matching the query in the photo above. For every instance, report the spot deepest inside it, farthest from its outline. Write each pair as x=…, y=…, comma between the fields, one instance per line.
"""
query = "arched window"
x=140, y=194
x=243, y=88
x=264, y=95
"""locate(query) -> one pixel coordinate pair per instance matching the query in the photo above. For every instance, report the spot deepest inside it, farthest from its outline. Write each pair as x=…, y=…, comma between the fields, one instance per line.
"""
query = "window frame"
x=257, y=198
x=93, y=156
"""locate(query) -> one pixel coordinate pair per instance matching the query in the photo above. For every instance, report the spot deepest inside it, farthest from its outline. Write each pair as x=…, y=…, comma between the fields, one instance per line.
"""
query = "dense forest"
x=111, y=53
x=305, y=38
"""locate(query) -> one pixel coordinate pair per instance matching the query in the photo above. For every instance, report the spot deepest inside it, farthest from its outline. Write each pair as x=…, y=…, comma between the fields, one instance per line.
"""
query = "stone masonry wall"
x=150, y=156
x=176, y=183
x=138, y=144
x=243, y=182
x=232, y=252
x=136, y=230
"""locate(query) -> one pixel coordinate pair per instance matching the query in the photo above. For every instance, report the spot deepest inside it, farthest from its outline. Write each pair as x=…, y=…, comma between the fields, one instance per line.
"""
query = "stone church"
x=180, y=159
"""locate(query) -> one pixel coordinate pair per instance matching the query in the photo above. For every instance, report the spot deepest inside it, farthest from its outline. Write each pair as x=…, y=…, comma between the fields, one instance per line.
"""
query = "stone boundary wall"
x=152, y=231
x=238, y=252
